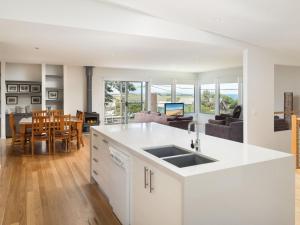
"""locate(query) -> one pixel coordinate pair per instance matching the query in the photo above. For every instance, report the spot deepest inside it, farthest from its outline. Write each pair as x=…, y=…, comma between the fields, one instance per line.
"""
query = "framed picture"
x=35, y=88
x=12, y=88
x=11, y=100
x=24, y=88
x=53, y=95
x=35, y=99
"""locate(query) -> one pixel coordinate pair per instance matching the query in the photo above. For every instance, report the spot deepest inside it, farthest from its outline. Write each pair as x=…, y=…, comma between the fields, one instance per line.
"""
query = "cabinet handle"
x=151, y=187
x=95, y=147
x=95, y=135
x=95, y=172
x=105, y=141
x=96, y=160
x=145, y=177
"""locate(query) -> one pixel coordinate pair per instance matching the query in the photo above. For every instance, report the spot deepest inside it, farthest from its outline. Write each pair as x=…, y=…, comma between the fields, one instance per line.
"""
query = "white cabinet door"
x=101, y=162
x=163, y=204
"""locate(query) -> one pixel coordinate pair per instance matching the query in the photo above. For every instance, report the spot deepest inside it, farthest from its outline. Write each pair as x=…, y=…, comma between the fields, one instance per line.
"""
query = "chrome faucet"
x=195, y=144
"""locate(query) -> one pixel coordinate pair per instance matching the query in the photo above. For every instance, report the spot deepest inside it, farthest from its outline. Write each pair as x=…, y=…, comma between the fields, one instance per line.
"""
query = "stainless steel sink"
x=166, y=151
x=189, y=160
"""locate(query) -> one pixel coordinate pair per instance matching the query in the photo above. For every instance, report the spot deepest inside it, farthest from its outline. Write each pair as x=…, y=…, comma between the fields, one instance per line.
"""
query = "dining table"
x=26, y=124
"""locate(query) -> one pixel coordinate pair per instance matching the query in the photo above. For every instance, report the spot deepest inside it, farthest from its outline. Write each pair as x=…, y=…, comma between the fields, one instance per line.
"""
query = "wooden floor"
x=55, y=190
x=50, y=190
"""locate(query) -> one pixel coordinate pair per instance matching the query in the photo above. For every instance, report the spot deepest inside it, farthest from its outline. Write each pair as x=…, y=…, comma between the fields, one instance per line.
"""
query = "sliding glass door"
x=123, y=99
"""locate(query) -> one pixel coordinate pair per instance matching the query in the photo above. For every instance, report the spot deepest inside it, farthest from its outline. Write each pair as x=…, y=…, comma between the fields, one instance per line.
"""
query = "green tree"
x=111, y=85
x=207, y=101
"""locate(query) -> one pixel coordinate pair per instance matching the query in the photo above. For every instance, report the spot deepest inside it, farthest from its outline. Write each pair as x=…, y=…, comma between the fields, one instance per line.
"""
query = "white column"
x=197, y=99
x=149, y=95
x=258, y=98
x=43, y=88
x=217, y=98
x=3, y=100
x=98, y=96
x=240, y=91
x=173, y=91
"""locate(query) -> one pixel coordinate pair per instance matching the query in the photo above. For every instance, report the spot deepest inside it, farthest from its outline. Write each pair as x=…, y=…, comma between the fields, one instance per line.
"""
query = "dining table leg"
x=79, y=134
x=22, y=131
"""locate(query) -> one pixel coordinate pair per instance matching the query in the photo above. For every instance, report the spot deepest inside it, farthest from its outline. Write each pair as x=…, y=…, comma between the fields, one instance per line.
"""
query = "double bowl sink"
x=178, y=156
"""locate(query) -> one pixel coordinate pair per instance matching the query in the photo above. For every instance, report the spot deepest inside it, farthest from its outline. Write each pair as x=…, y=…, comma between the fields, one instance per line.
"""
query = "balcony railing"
x=295, y=138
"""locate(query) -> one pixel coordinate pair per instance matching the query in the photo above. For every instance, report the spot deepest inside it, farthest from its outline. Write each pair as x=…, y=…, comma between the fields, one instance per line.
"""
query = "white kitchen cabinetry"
x=157, y=197
x=101, y=162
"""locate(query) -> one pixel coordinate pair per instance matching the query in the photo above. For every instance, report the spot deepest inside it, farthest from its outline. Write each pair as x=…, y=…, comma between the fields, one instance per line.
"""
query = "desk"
x=26, y=123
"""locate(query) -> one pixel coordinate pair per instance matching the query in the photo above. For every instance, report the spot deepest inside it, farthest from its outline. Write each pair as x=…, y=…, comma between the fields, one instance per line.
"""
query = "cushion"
x=185, y=118
x=229, y=120
x=218, y=122
x=171, y=118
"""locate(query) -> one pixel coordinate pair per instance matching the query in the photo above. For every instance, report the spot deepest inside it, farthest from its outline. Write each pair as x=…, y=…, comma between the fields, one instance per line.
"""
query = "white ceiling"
x=74, y=46
x=266, y=23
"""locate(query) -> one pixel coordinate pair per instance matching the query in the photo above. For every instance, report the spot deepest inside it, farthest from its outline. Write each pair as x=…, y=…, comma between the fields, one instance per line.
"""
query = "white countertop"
x=229, y=154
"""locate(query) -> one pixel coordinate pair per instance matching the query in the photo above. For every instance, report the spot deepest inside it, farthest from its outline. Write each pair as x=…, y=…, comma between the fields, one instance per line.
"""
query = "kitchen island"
x=236, y=184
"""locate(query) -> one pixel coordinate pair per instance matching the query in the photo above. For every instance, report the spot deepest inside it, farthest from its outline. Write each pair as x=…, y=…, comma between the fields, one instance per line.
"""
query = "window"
x=229, y=95
x=208, y=97
x=185, y=94
x=160, y=94
x=136, y=98
x=123, y=99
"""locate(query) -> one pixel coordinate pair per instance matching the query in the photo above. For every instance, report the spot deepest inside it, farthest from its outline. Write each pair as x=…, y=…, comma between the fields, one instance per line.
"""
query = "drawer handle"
x=105, y=141
x=96, y=160
x=145, y=177
x=95, y=147
x=95, y=135
x=151, y=187
x=95, y=172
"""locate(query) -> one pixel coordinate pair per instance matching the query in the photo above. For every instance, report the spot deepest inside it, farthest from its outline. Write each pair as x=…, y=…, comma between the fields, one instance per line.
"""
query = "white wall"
x=287, y=78
x=23, y=72
x=74, y=89
x=222, y=75
x=259, y=95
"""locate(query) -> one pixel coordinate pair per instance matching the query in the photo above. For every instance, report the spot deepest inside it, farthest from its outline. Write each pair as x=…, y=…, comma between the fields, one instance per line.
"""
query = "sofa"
x=281, y=124
x=230, y=128
x=173, y=121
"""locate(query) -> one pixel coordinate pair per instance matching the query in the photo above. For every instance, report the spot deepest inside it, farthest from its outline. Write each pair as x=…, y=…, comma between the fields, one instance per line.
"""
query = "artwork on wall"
x=53, y=95
x=12, y=88
x=11, y=100
x=35, y=88
x=35, y=99
x=24, y=88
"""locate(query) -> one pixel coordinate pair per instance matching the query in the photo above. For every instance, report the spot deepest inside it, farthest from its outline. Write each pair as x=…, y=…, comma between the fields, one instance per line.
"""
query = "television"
x=174, y=109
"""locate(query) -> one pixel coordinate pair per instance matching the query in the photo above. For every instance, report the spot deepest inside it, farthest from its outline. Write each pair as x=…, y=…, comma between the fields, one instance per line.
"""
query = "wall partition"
x=160, y=94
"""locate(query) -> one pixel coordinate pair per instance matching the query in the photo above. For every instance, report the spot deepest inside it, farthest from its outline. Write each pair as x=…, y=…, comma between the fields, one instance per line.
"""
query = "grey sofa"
x=232, y=131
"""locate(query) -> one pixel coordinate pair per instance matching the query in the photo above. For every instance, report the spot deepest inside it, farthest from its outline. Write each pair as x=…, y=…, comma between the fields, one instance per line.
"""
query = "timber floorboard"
x=50, y=190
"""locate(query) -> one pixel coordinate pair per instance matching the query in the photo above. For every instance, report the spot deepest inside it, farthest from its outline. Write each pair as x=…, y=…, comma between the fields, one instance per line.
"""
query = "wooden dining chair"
x=16, y=138
x=76, y=133
x=38, y=113
x=56, y=112
x=61, y=131
x=80, y=115
x=79, y=126
x=40, y=131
